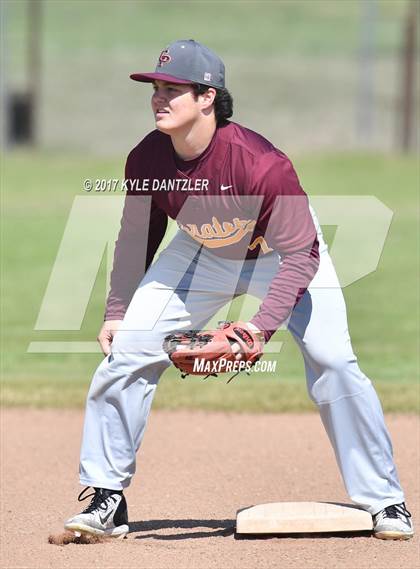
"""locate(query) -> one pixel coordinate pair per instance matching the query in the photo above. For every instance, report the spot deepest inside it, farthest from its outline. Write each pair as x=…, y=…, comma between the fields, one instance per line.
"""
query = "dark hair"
x=223, y=102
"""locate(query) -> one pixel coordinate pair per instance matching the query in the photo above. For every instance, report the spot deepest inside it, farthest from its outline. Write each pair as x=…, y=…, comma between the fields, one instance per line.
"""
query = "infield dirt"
x=194, y=471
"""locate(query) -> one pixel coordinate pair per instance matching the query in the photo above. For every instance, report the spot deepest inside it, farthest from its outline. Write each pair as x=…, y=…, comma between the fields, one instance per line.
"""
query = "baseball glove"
x=210, y=352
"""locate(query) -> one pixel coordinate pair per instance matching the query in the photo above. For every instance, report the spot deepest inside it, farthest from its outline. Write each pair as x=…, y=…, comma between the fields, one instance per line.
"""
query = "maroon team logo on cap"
x=164, y=57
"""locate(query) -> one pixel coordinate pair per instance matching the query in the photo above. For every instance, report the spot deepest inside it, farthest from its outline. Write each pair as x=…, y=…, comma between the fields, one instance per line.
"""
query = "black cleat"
x=106, y=514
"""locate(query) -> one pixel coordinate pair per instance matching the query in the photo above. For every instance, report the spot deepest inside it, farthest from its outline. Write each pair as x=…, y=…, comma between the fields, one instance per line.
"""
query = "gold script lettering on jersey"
x=222, y=234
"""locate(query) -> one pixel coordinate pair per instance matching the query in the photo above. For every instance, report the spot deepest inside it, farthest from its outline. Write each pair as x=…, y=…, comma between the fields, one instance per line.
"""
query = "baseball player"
x=244, y=226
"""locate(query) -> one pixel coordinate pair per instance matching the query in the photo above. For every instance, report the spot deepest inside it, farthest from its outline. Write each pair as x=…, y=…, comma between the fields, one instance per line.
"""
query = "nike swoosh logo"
x=105, y=518
x=223, y=188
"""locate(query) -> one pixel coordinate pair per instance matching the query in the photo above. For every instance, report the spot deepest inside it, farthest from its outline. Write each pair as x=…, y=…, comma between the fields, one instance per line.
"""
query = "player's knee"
x=337, y=377
x=123, y=370
x=133, y=358
x=334, y=361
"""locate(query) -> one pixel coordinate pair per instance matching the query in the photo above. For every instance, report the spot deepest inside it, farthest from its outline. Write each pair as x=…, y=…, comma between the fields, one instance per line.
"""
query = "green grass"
x=309, y=27
x=298, y=58
x=246, y=394
x=38, y=190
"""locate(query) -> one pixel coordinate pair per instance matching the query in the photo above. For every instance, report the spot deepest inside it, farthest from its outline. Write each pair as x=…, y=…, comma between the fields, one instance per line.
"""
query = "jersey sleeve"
x=143, y=226
x=287, y=224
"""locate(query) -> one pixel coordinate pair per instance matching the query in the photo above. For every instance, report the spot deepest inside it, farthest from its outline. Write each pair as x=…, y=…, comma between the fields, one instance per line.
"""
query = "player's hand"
x=107, y=333
x=236, y=348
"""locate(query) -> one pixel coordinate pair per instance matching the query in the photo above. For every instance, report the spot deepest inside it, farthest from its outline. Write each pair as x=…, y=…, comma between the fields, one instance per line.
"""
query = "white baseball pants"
x=183, y=290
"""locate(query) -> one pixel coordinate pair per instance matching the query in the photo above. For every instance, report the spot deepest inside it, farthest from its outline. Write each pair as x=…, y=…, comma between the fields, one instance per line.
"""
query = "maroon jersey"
x=240, y=198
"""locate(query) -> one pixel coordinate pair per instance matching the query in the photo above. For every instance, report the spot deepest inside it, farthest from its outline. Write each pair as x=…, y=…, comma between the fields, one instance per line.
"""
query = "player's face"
x=174, y=106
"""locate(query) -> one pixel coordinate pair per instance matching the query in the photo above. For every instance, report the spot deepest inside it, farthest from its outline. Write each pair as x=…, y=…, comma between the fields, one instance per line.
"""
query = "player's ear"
x=207, y=98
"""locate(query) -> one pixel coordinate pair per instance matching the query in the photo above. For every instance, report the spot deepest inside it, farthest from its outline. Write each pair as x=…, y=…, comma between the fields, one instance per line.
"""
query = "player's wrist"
x=256, y=331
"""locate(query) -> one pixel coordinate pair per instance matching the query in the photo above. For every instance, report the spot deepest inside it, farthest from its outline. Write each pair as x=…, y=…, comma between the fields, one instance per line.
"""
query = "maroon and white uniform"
x=241, y=198
x=244, y=226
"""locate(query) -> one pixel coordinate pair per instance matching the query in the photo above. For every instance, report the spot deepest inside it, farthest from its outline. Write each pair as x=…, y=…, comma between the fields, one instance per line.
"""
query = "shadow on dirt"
x=221, y=528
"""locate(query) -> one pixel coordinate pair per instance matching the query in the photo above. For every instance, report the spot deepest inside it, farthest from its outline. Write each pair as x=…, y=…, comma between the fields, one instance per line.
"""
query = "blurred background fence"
x=309, y=74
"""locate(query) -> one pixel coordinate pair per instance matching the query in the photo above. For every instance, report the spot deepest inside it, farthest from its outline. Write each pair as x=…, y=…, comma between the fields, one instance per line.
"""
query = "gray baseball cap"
x=187, y=61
